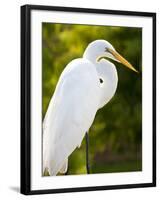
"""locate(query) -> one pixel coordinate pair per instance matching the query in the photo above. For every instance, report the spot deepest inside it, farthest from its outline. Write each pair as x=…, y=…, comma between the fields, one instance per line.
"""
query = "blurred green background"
x=116, y=134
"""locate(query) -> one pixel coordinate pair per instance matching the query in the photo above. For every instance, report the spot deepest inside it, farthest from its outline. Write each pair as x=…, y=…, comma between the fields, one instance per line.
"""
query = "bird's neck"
x=105, y=71
x=108, y=77
x=108, y=73
x=92, y=57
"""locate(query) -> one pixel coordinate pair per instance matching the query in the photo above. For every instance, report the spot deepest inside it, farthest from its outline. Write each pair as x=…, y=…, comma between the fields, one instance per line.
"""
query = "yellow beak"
x=121, y=59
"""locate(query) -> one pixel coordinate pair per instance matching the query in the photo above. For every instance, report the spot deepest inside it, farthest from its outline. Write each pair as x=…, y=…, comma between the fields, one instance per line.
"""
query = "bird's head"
x=99, y=49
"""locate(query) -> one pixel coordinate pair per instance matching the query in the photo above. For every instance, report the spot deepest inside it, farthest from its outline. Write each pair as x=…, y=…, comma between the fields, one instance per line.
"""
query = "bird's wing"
x=70, y=113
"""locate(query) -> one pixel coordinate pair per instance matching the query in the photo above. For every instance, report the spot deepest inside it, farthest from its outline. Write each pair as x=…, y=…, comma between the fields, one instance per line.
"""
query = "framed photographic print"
x=88, y=99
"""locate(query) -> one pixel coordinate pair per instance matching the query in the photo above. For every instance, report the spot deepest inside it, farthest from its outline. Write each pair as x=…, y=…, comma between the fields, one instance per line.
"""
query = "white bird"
x=85, y=85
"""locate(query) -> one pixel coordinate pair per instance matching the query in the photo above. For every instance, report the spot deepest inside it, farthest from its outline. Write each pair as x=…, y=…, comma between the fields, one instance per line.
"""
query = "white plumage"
x=73, y=106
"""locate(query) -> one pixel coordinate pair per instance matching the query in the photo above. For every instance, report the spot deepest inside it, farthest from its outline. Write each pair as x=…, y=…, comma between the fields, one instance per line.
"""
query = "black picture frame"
x=26, y=98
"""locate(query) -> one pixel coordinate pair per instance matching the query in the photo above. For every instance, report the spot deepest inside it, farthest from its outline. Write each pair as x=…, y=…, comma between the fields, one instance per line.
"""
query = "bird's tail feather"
x=64, y=167
x=46, y=172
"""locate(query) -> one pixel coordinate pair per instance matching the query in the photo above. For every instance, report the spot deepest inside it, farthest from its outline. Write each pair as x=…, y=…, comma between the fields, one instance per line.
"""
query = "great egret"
x=85, y=85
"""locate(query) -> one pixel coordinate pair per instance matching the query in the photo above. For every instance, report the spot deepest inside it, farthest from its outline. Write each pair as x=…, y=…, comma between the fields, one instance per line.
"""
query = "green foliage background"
x=116, y=134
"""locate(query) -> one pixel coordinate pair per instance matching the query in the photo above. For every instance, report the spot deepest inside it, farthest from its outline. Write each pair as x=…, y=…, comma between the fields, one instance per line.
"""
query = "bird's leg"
x=87, y=153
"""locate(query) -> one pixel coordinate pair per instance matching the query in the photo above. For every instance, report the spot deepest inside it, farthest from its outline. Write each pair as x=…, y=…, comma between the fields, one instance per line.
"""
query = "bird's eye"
x=106, y=49
x=101, y=80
